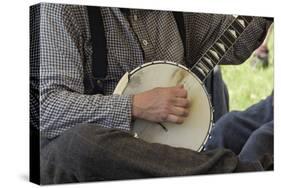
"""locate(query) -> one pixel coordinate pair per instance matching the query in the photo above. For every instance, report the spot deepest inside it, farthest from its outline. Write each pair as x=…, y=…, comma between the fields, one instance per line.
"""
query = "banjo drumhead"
x=191, y=134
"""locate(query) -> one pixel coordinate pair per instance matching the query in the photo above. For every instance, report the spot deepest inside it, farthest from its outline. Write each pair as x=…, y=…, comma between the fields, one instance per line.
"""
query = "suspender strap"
x=180, y=23
x=98, y=41
x=99, y=55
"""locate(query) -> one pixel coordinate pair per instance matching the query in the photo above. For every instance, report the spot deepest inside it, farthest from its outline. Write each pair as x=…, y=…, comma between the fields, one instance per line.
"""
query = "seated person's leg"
x=233, y=129
x=90, y=153
x=260, y=143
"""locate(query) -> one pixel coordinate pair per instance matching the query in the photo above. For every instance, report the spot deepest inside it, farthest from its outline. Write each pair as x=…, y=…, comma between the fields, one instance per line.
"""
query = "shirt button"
x=145, y=42
x=135, y=17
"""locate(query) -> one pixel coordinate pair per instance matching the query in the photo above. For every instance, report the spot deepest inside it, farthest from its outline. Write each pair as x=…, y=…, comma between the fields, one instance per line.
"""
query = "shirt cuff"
x=120, y=114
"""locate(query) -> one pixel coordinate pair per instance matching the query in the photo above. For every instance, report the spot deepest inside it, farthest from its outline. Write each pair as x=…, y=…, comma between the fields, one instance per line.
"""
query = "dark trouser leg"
x=260, y=143
x=90, y=153
x=219, y=93
x=233, y=129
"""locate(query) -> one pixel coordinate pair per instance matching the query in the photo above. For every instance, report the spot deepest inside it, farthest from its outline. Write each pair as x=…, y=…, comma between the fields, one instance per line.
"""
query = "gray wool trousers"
x=92, y=153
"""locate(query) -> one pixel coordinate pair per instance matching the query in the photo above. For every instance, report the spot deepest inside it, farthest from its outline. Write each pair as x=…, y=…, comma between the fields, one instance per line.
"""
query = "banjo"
x=195, y=130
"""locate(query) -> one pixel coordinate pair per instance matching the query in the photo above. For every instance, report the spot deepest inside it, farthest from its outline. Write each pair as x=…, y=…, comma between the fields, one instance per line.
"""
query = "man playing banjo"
x=86, y=130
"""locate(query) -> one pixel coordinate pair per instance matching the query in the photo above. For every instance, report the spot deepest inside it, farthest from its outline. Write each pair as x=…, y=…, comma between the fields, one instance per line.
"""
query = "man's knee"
x=81, y=136
x=74, y=151
x=86, y=132
x=263, y=135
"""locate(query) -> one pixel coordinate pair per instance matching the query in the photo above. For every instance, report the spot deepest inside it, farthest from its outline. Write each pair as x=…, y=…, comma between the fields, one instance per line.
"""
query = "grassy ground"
x=248, y=85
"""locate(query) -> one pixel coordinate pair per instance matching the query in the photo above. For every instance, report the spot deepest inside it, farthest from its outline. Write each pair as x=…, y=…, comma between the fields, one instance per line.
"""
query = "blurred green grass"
x=248, y=84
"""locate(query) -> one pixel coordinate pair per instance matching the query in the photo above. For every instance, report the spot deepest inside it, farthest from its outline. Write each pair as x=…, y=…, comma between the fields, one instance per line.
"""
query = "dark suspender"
x=99, y=55
x=180, y=23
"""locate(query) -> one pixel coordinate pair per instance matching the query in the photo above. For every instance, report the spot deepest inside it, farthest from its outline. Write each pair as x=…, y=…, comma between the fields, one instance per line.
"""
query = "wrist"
x=136, y=112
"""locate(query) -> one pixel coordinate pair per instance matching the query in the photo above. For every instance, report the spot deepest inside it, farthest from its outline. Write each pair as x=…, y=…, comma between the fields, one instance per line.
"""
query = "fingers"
x=181, y=102
x=175, y=119
x=179, y=91
x=176, y=115
x=183, y=112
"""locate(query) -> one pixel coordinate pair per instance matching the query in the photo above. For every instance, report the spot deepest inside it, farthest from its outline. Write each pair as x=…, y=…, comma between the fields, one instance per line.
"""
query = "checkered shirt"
x=61, y=57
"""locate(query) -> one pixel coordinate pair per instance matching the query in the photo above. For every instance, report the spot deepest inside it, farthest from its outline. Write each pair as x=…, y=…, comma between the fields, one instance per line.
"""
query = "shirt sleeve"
x=250, y=39
x=63, y=103
x=204, y=29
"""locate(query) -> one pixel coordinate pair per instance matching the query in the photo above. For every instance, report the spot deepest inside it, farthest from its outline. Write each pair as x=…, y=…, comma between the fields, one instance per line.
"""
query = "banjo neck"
x=212, y=57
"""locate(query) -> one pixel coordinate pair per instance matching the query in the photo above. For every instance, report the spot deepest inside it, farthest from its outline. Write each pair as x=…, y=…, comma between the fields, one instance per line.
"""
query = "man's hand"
x=168, y=104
